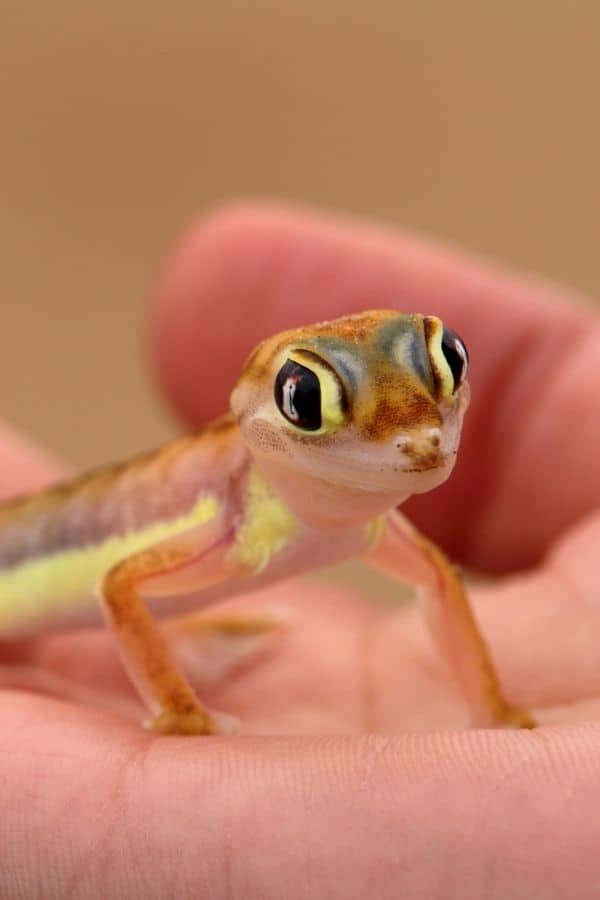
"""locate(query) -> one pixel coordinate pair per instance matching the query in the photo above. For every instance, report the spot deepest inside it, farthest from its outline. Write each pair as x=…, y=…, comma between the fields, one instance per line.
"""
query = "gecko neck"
x=321, y=504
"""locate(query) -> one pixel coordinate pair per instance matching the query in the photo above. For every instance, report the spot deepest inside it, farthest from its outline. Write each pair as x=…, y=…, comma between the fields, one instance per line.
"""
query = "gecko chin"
x=387, y=475
x=394, y=479
x=426, y=478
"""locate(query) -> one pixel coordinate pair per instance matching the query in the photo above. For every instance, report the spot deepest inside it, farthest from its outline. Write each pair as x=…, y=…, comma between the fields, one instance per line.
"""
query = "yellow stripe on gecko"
x=48, y=588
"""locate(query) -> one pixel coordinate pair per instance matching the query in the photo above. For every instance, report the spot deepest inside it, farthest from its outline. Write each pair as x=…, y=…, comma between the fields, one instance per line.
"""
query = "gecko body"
x=332, y=427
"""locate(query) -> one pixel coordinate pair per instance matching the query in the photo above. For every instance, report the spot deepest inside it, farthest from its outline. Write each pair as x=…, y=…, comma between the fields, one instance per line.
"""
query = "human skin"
x=353, y=776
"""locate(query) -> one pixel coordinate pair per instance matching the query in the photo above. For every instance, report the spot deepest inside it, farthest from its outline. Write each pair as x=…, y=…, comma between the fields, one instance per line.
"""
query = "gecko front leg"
x=202, y=557
x=404, y=552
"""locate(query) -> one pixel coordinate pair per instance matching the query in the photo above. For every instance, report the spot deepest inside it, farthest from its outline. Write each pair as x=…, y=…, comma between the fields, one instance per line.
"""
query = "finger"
x=246, y=274
x=345, y=816
x=23, y=466
x=544, y=627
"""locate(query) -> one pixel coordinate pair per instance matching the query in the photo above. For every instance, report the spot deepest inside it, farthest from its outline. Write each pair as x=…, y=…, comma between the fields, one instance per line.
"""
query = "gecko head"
x=366, y=406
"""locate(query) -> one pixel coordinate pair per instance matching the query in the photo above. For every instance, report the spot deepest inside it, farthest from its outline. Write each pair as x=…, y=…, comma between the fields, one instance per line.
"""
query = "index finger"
x=528, y=465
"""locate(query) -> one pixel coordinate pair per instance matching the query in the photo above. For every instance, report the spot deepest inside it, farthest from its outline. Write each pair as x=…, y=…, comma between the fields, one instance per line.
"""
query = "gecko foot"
x=193, y=723
x=514, y=717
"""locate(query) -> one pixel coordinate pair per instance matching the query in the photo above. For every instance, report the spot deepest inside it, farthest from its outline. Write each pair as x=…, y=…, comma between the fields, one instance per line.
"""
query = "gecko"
x=331, y=428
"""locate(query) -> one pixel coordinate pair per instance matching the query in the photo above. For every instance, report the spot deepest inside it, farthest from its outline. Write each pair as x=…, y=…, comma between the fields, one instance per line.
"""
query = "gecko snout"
x=423, y=449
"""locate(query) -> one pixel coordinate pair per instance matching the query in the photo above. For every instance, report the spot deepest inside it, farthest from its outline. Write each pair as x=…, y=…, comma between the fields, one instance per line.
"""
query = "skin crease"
x=93, y=806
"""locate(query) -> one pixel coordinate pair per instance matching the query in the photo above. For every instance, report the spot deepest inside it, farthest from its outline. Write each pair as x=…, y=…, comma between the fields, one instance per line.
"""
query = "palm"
x=345, y=814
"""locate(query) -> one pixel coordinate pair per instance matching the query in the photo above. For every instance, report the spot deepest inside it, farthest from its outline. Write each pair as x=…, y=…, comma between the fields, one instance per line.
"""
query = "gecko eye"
x=456, y=356
x=448, y=357
x=298, y=396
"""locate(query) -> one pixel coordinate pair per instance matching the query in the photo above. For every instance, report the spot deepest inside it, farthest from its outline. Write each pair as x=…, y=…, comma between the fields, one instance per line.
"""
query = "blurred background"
x=121, y=121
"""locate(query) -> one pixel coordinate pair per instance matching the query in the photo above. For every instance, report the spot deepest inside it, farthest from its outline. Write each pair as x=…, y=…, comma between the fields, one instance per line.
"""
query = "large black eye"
x=456, y=355
x=298, y=396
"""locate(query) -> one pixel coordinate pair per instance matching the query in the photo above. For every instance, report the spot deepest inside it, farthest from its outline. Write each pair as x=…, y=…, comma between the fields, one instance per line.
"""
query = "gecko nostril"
x=423, y=450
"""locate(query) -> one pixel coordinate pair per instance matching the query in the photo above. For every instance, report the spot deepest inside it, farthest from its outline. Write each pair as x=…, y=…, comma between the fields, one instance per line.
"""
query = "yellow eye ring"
x=334, y=406
x=448, y=356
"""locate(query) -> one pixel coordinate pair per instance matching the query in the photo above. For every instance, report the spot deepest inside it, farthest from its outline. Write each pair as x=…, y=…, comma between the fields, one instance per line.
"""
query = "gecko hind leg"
x=212, y=646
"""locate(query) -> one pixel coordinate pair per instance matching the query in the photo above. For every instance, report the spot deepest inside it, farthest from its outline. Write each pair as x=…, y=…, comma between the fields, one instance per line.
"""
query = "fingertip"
x=214, y=302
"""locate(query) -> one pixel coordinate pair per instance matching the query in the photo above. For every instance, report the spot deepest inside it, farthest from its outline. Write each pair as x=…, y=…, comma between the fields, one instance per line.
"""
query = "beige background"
x=121, y=120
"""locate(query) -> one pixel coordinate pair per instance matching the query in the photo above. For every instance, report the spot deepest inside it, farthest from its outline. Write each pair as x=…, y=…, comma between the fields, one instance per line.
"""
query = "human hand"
x=94, y=807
